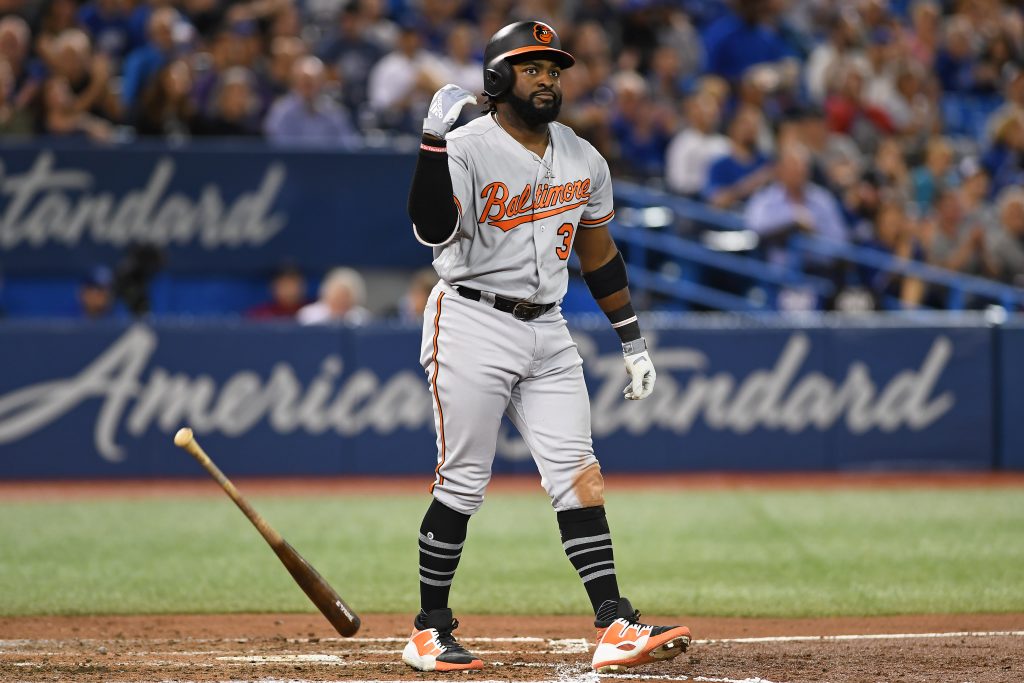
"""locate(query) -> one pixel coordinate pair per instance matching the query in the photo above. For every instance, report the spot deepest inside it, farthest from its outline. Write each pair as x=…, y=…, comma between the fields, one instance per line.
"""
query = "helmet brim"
x=560, y=57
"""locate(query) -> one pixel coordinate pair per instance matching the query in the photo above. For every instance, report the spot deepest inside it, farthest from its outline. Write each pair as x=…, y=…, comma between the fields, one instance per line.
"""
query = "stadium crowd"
x=894, y=124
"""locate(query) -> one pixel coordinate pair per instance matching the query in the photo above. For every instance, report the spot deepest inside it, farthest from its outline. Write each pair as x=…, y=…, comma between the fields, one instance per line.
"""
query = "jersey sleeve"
x=462, y=178
x=600, y=208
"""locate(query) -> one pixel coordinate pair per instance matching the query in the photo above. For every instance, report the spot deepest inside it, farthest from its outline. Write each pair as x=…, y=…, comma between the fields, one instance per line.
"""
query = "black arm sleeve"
x=431, y=204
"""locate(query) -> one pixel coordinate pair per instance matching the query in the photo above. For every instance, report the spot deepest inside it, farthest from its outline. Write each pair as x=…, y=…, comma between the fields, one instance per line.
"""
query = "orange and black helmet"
x=521, y=38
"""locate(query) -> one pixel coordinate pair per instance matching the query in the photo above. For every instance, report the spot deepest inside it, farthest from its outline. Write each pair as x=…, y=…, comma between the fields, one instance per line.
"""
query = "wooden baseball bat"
x=337, y=611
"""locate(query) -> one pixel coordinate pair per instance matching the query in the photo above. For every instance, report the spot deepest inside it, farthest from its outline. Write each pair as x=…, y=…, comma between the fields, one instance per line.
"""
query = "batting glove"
x=445, y=108
x=640, y=370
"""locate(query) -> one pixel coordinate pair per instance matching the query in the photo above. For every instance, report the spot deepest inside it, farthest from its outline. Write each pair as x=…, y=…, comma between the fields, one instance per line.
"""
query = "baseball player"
x=503, y=201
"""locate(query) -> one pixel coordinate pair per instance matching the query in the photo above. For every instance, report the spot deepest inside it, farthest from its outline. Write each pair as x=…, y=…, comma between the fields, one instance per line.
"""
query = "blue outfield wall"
x=105, y=400
x=1010, y=369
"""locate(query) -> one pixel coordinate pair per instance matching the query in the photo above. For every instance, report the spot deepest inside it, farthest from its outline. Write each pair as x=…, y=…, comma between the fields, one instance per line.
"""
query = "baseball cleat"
x=432, y=647
x=624, y=642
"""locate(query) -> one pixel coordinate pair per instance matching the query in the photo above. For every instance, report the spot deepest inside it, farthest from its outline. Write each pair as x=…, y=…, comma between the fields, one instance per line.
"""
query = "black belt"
x=521, y=310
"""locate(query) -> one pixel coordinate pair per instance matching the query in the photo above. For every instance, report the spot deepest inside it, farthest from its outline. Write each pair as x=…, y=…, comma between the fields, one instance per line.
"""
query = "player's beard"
x=533, y=115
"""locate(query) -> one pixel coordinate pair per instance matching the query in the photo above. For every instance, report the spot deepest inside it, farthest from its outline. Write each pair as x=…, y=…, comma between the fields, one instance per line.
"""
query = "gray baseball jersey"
x=519, y=212
x=518, y=217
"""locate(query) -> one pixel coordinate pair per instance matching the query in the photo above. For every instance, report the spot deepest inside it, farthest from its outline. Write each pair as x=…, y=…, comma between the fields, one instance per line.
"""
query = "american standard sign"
x=49, y=205
x=128, y=395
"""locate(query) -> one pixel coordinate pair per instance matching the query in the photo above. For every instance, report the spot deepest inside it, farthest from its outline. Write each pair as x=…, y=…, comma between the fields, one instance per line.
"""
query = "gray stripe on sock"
x=589, y=550
x=586, y=539
x=443, y=557
x=596, y=564
x=441, y=544
x=434, y=582
x=434, y=571
x=597, y=575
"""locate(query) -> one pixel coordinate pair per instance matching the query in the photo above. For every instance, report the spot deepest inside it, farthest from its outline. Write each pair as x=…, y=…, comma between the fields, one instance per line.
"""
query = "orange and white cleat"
x=623, y=642
x=432, y=647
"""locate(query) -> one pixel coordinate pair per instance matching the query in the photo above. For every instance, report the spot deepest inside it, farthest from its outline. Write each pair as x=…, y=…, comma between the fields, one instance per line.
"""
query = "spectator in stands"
x=895, y=234
x=13, y=121
x=96, y=298
x=342, y=294
x=460, y=64
x=678, y=36
x=847, y=111
x=836, y=161
x=914, y=108
x=288, y=296
x=793, y=205
x=284, y=52
x=146, y=60
x=62, y=118
x=762, y=90
x=1006, y=246
x=936, y=172
x=108, y=22
x=377, y=26
x=692, y=150
x=1013, y=96
x=890, y=167
x=414, y=301
x=56, y=16
x=666, y=80
x=922, y=40
x=28, y=74
x=1000, y=53
x=307, y=115
x=948, y=245
x=1004, y=160
x=87, y=75
x=742, y=172
x=751, y=36
x=878, y=66
x=235, y=111
x=642, y=129
x=402, y=83
x=350, y=53
x=166, y=108
x=235, y=45
x=975, y=185
x=956, y=63
x=827, y=57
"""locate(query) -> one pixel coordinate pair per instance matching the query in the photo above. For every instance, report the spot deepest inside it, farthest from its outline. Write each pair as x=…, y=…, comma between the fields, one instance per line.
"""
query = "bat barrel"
x=330, y=604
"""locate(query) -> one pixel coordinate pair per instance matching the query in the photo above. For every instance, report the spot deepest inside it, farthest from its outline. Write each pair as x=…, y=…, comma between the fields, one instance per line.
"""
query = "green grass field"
x=727, y=553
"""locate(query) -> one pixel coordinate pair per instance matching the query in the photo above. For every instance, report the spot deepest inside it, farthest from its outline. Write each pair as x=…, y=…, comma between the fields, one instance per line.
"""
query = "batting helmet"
x=520, y=38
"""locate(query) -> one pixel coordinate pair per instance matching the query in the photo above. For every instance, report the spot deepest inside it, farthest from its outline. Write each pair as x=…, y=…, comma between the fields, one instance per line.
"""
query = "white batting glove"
x=640, y=370
x=445, y=108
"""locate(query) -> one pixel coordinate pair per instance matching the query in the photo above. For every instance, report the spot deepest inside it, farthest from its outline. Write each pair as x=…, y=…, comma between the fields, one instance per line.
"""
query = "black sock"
x=441, y=537
x=588, y=544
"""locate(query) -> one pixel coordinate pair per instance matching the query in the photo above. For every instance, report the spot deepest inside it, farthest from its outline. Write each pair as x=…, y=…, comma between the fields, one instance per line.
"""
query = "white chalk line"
x=867, y=636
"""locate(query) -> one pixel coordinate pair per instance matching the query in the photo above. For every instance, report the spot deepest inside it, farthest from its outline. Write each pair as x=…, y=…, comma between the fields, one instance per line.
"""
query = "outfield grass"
x=742, y=553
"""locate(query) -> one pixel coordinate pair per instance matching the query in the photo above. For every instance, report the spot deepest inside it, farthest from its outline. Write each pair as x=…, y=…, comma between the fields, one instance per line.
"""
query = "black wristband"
x=625, y=323
x=608, y=279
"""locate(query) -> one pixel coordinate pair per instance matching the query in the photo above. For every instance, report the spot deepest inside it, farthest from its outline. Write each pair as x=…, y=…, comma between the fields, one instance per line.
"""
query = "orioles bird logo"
x=543, y=33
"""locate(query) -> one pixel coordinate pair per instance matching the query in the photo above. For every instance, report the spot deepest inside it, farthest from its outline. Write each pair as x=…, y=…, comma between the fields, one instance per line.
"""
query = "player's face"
x=537, y=93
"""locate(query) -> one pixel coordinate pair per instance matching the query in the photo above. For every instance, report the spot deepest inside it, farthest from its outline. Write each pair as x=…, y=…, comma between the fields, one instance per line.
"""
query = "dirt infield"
x=262, y=647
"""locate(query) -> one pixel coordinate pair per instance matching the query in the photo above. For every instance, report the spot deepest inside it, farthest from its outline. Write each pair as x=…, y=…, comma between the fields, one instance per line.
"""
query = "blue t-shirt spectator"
x=139, y=67
x=733, y=45
x=729, y=170
x=110, y=31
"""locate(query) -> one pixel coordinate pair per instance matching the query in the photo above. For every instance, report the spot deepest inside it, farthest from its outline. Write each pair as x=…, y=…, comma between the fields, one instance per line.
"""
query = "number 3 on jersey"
x=566, y=231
